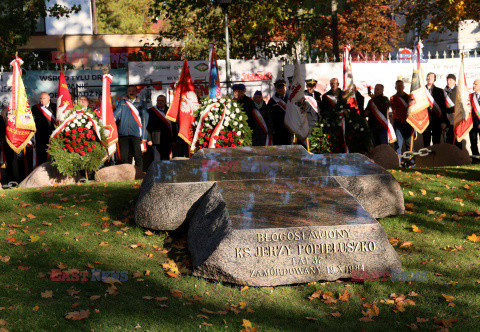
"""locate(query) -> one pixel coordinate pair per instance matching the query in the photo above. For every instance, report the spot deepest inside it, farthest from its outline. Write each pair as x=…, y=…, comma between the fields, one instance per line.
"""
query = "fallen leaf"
x=448, y=298
x=147, y=297
x=176, y=293
x=365, y=319
x=445, y=322
x=416, y=229
x=84, y=224
x=423, y=191
x=35, y=308
x=5, y=259
x=34, y=238
x=451, y=282
x=405, y=244
x=94, y=297
x=47, y=294
x=30, y=216
x=311, y=318
x=244, y=288
x=46, y=223
x=473, y=238
x=345, y=297
x=197, y=298
x=336, y=314
x=78, y=315
x=103, y=244
x=148, y=233
x=393, y=241
x=62, y=266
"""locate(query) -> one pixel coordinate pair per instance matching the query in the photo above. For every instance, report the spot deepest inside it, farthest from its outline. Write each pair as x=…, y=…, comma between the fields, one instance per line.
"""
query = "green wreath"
x=77, y=147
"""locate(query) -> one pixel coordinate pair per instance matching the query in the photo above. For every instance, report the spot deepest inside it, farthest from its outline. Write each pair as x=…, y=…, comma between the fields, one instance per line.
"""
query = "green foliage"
x=77, y=147
x=19, y=20
x=123, y=16
x=327, y=135
x=269, y=28
x=425, y=17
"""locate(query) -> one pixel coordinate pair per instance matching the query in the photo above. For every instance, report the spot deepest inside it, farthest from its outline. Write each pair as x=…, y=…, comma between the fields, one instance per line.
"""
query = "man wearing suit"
x=331, y=97
x=437, y=112
x=160, y=130
x=44, y=117
x=475, y=131
x=450, y=93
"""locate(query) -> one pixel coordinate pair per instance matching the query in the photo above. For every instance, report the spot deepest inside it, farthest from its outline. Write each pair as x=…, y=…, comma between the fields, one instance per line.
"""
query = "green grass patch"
x=84, y=227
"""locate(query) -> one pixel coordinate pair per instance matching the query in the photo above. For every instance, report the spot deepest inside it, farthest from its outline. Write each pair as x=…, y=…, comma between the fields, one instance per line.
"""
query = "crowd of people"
x=139, y=125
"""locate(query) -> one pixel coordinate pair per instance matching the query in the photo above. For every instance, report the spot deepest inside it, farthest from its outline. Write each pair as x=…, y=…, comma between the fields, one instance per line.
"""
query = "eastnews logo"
x=394, y=275
x=85, y=275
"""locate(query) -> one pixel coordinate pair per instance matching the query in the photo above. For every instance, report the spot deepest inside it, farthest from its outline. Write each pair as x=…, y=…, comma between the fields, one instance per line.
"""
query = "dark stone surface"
x=285, y=231
x=181, y=181
x=279, y=216
x=444, y=154
x=385, y=156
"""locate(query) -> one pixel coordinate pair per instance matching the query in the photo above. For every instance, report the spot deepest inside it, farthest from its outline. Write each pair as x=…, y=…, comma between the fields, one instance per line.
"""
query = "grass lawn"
x=79, y=228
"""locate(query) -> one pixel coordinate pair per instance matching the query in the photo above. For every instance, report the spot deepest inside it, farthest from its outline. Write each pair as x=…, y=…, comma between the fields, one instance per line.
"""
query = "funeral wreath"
x=78, y=143
x=220, y=123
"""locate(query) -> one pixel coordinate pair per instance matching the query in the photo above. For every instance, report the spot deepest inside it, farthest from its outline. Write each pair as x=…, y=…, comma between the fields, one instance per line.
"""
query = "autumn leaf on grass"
x=311, y=318
x=409, y=206
x=345, y=297
x=444, y=322
x=84, y=224
x=147, y=298
x=171, y=267
x=94, y=297
x=78, y=315
x=473, y=238
x=148, y=233
x=423, y=191
x=47, y=294
x=247, y=326
x=196, y=298
x=448, y=298
x=406, y=244
x=34, y=238
x=35, y=308
x=112, y=290
x=176, y=293
x=44, y=223
x=30, y=216
x=336, y=314
x=103, y=244
x=315, y=295
x=244, y=288
x=118, y=223
x=393, y=241
x=416, y=229
x=62, y=266
x=374, y=311
x=5, y=259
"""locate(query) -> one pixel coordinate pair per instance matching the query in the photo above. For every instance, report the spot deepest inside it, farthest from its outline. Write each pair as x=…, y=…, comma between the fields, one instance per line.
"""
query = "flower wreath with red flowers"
x=219, y=123
x=78, y=143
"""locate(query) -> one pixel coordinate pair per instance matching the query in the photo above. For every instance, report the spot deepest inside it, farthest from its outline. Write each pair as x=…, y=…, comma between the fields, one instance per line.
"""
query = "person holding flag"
x=160, y=130
x=45, y=120
x=377, y=112
x=132, y=130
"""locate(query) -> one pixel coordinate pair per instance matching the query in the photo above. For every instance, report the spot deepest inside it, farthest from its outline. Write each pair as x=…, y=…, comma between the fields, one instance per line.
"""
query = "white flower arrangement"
x=225, y=134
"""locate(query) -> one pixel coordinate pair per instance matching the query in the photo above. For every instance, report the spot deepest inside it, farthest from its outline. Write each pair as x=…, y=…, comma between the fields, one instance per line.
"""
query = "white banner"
x=255, y=74
x=386, y=73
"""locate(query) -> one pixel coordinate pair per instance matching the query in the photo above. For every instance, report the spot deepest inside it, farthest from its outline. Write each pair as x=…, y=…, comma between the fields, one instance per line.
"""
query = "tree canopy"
x=425, y=17
x=19, y=20
x=123, y=16
x=268, y=28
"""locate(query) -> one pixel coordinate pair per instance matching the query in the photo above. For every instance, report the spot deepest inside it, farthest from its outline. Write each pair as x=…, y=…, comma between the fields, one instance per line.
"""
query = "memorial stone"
x=266, y=216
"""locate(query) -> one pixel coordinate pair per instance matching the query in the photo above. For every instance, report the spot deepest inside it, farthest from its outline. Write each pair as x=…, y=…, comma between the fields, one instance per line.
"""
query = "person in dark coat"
x=44, y=117
x=382, y=104
x=245, y=101
x=263, y=122
x=277, y=105
x=331, y=97
x=450, y=92
x=437, y=113
x=360, y=101
x=160, y=130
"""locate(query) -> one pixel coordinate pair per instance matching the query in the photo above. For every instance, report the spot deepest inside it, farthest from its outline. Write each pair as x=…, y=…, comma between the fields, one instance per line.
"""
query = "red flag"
x=184, y=103
x=107, y=118
x=20, y=123
x=463, y=121
x=64, y=100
